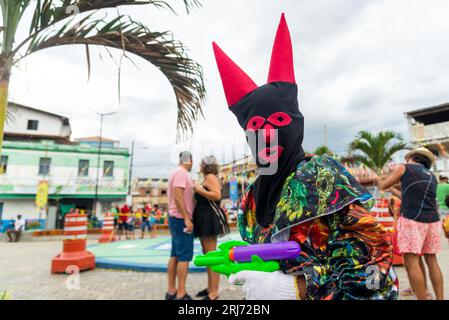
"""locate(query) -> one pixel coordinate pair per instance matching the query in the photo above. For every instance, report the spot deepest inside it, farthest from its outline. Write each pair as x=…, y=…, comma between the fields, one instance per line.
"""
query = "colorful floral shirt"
x=346, y=253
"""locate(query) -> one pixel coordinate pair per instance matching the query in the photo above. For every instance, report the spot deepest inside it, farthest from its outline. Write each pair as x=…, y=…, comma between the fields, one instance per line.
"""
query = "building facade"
x=45, y=154
x=95, y=142
x=150, y=191
x=429, y=127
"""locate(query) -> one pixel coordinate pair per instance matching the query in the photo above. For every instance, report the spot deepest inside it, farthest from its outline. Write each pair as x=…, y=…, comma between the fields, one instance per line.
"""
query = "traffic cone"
x=107, y=231
x=382, y=214
x=74, y=247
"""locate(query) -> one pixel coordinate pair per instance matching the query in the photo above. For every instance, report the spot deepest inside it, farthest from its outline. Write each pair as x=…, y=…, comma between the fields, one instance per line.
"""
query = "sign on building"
x=42, y=194
x=233, y=190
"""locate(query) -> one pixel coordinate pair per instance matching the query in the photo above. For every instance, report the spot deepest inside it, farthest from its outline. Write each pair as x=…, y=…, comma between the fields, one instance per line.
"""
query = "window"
x=3, y=164
x=83, y=168
x=108, y=168
x=44, y=166
x=32, y=124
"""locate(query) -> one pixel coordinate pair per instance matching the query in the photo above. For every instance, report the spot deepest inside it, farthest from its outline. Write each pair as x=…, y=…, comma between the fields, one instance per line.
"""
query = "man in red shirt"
x=123, y=225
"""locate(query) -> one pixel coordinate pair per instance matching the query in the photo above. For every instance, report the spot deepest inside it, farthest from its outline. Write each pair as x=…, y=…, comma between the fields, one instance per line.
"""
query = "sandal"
x=408, y=292
x=169, y=296
x=202, y=293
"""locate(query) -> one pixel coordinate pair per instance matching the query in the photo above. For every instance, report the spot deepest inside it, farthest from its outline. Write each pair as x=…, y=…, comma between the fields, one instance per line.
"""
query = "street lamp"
x=102, y=115
x=130, y=173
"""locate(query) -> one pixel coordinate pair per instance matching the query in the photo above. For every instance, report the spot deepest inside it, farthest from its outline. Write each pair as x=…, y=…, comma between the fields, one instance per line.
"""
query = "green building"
x=37, y=149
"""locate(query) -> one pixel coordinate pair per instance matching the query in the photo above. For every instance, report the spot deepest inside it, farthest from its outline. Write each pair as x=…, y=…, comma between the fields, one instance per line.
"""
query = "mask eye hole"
x=280, y=119
x=255, y=123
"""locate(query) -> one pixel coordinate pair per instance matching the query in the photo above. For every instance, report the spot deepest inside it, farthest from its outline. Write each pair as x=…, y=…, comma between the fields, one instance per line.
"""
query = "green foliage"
x=375, y=150
x=5, y=295
x=323, y=150
x=54, y=23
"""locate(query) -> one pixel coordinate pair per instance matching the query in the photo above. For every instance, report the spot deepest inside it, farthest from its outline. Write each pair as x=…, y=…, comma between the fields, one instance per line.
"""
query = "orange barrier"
x=107, y=232
x=74, y=252
x=382, y=213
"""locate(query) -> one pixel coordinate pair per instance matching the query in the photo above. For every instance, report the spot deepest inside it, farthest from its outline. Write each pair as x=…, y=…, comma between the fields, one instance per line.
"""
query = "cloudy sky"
x=360, y=64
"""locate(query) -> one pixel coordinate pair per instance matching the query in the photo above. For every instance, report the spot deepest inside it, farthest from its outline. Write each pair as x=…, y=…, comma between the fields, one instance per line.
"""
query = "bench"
x=25, y=236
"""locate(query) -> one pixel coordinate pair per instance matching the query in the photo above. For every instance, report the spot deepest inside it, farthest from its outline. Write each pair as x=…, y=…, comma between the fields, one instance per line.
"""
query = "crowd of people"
x=146, y=219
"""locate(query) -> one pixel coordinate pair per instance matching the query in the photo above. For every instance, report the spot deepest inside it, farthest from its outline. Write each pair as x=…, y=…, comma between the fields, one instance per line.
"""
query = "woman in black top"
x=419, y=226
x=209, y=220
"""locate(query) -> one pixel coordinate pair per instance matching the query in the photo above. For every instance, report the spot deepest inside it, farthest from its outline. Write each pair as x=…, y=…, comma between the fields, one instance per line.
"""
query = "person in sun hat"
x=313, y=200
x=419, y=226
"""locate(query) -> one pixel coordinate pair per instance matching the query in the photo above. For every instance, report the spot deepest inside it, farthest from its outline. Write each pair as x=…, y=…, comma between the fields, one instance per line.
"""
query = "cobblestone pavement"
x=25, y=272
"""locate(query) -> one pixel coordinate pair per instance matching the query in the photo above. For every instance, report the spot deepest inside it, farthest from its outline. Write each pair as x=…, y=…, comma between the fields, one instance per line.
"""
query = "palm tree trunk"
x=5, y=71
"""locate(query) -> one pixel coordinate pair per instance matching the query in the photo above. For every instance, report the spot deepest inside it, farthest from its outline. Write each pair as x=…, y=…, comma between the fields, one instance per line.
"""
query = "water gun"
x=235, y=256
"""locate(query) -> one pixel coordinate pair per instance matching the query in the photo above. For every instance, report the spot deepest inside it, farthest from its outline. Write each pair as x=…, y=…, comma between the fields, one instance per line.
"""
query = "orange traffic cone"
x=74, y=252
x=382, y=213
x=107, y=231
x=398, y=259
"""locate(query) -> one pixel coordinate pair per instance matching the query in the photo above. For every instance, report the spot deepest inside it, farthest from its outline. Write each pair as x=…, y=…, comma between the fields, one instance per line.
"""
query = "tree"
x=375, y=150
x=69, y=22
x=323, y=150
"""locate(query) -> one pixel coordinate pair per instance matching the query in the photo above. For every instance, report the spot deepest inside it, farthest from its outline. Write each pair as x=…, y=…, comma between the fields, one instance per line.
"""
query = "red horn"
x=236, y=83
x=281, y=65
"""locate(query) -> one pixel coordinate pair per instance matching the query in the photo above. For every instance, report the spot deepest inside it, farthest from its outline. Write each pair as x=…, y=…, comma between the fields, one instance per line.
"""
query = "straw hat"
x=422, y=151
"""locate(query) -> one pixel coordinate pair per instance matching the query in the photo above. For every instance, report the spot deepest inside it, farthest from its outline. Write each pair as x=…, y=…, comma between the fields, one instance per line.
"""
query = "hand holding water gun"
x=235, y=256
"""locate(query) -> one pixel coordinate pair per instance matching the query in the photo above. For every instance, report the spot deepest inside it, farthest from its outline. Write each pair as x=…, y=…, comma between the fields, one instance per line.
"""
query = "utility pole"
x=131, y=168
x=325, y=136
x=100, y=143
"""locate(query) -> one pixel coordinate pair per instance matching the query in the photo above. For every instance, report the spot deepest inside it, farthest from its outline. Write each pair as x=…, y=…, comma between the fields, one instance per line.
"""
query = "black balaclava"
x=271, y=118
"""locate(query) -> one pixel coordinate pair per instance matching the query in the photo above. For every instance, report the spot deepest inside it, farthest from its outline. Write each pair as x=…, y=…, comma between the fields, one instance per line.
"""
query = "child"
x=131, y=222
x=155, y=220
x=146, y=224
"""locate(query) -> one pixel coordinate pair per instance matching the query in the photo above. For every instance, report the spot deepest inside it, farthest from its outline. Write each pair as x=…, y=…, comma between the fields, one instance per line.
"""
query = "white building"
x=27, y=121
x=429, y=127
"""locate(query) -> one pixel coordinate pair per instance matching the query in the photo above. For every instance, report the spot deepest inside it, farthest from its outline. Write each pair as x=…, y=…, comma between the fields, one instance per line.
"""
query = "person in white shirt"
x=19, y=226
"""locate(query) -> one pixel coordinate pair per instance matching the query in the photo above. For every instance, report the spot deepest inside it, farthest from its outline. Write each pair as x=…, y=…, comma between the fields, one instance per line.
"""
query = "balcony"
x=432, y=133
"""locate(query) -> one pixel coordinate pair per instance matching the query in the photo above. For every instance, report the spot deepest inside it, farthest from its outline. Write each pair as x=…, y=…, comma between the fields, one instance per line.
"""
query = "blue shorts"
x=181, y=242
x=146, y=224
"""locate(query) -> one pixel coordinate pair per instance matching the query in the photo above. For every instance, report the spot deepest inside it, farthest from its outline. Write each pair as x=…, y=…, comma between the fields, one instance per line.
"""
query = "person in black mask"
x=346, y=253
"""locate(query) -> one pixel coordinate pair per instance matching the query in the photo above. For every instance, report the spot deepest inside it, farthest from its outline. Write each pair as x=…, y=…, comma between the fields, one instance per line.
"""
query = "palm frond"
x=364, y=160
x=375, y=150
x=12, y=11
x=392, y=150
x=49, y=12
x=158, y=48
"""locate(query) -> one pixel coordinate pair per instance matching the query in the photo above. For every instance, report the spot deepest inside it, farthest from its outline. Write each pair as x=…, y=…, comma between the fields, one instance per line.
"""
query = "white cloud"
x=360, y=65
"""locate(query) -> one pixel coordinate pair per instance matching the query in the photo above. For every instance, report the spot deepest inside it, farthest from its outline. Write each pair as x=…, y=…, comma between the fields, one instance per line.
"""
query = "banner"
x=233, y=190
x=42, y=194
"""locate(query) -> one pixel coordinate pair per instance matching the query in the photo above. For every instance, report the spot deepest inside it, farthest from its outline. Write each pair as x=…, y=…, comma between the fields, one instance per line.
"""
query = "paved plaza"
x=25, y=272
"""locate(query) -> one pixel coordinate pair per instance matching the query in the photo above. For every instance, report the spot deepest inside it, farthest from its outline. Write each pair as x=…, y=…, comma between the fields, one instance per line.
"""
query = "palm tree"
x=54, y=24
x=375, y=150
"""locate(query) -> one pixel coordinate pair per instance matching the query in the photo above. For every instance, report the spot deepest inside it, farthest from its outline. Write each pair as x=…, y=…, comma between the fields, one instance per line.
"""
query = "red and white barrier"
x=382, y=213
x=107, y=231
x=74, y=252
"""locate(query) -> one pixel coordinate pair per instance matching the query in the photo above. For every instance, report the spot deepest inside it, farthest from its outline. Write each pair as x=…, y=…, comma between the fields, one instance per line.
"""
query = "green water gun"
x=235, y=256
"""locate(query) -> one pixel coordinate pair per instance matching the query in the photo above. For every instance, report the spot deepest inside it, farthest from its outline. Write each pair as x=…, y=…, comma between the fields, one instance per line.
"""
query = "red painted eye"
x=255, y=123
x=280, y=119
